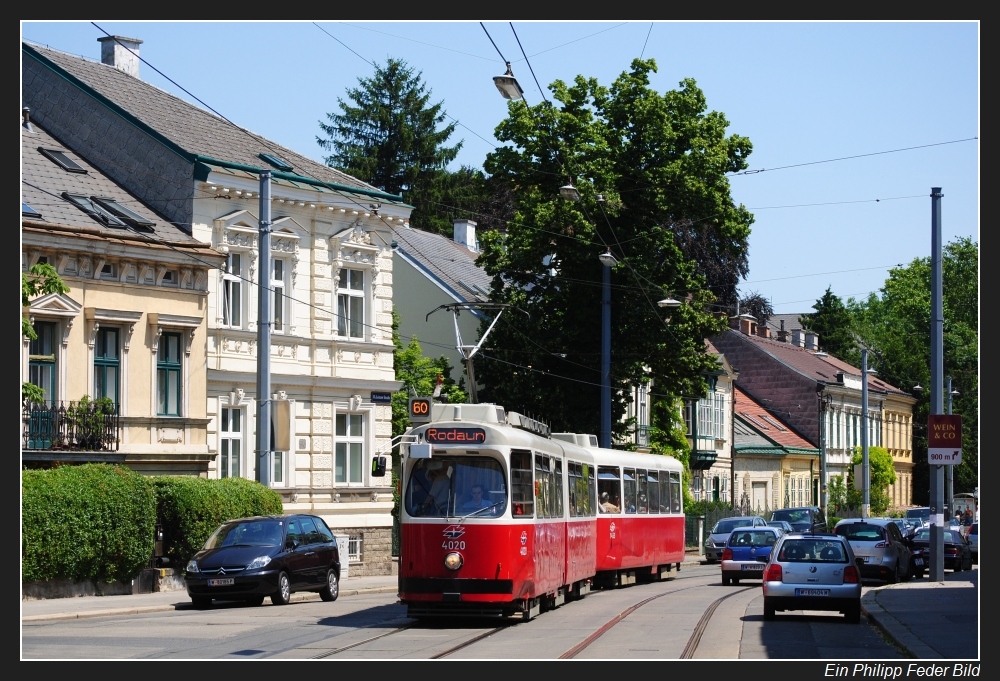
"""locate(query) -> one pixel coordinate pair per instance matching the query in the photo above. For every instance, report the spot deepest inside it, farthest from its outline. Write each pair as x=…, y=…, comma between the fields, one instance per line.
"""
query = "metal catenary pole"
x=937, y=372
x=866, y=478
x=264, y=312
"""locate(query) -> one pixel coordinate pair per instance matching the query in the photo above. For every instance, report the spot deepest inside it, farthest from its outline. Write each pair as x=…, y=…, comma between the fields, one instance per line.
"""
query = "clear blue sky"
x=802, y=92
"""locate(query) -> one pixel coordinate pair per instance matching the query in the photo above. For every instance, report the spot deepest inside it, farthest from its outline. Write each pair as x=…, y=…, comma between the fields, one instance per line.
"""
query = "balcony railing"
x=86, y=426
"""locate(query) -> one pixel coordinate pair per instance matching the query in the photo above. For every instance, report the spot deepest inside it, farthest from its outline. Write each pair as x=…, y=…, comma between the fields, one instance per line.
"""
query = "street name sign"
x=944, y=439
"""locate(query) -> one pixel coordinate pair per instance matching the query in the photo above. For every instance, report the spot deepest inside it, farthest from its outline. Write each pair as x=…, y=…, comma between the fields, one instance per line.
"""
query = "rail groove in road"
x=692, y=644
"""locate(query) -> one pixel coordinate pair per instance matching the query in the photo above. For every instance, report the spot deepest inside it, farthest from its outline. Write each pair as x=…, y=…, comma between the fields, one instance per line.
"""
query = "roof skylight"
x=62, y=159
x=276, y=161
x=28, y=211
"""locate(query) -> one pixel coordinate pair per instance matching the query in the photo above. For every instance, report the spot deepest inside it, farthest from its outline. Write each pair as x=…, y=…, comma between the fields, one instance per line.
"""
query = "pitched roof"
x=808, y=363
x=43, y=183
x=761, y=428
x=196, y=132
x=449, y=263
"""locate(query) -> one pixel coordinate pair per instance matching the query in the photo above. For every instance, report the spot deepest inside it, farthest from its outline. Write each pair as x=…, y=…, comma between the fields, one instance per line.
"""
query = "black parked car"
x=957, y=554
x=251, y=558
x=802, y=518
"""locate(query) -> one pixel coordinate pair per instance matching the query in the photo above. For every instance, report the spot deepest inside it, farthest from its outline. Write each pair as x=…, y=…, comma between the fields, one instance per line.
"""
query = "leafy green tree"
x=882, y=476
x=387, y=134
x=40, y=279
x=419, y=376
x=651, y=170
x=894, y=324
x=832, y=322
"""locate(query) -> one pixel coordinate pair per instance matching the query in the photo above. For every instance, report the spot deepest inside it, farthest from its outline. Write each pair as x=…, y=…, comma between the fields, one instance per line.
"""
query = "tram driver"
x=477, y=501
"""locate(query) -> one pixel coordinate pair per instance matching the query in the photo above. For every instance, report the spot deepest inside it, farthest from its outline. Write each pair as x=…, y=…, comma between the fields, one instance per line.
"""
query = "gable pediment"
x=54, y=305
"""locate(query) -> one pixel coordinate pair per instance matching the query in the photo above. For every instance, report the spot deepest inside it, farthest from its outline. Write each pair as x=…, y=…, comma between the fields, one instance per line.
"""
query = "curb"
x=895, y=630
x=108, y=612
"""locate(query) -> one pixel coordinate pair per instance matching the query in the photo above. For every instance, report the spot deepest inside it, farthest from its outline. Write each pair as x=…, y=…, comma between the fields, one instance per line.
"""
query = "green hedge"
x=89, y=522
x=191, y=508
x=97, y=522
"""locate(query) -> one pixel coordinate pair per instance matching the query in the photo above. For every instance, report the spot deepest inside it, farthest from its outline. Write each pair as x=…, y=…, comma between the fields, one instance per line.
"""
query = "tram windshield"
x=465, y=486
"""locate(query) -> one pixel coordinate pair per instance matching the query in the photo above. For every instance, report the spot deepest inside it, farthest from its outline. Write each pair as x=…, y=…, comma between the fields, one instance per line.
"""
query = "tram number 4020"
x=452, y=545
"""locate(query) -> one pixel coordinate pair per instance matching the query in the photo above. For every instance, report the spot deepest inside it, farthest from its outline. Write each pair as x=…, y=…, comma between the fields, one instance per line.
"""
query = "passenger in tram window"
x=477, y=501
x=437, y=499
x=643, y=505
x=606, y=505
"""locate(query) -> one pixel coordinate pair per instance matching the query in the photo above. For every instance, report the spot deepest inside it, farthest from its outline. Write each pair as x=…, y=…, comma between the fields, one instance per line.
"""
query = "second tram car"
x=501, y=518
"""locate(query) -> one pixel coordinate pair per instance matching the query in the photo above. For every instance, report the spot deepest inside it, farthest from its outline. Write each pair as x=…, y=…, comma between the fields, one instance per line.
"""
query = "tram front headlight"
x=453, y=560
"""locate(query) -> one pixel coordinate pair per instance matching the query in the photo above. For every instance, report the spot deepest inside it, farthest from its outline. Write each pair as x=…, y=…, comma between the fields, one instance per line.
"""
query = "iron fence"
x=79, y=426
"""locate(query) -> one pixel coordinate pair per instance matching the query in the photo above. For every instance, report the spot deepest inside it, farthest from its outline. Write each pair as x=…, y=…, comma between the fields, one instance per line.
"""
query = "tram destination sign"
x=944, y=439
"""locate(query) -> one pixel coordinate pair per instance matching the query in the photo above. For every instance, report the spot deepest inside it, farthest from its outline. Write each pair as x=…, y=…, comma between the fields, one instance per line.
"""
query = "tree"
x=882, y=476
x=832, y=322
x=41, y=279
x=387, y=135
x=757, y=305
x=894, y=324
x=651, y=170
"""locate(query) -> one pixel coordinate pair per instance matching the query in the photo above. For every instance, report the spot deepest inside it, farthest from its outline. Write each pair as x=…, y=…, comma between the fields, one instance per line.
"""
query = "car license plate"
x=228, y=581
x=867, y=559
x=756, y=567
x=812, y=592
x=918, y=561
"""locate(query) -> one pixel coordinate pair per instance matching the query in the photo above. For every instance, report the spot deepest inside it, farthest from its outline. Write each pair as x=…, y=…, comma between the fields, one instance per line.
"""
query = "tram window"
x=628, y=492
x=521, y=484
x=641, y=498
x=557, y=474
x=675, y=492
x=439, y=487
x=577, y=490
x=664, y=492
x=609, y=482
x=654, y=492
x=588, y=472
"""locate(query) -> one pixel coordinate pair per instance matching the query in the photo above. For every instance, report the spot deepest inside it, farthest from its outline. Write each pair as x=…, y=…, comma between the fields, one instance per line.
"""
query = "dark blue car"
x=746, y=553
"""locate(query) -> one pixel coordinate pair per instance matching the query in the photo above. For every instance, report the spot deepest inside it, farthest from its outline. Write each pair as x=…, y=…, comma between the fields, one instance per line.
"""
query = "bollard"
x=701, y=535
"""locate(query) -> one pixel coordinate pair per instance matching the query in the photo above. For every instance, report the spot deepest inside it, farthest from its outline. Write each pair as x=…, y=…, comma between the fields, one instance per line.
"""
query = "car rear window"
x=799, y=516
x=752, y=538
x=730, y=524
x=812, y=551
x=861, y=532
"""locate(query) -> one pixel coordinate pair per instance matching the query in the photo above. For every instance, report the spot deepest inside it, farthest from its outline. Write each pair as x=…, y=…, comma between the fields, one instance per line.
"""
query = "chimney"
x=812, y=341
x=26, y=119
x=747, y=324
x=465, y=234
x=798, y=337
x=121, y=52
x=782, y=334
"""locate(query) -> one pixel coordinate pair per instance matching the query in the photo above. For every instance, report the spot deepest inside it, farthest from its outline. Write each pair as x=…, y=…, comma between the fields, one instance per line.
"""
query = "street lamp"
x=670, y=305
x=508, y=86
x=608, y=261
x=569, y=192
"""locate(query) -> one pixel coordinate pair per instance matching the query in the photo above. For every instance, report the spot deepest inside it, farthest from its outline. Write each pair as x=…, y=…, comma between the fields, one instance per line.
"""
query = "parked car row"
x=813, y=569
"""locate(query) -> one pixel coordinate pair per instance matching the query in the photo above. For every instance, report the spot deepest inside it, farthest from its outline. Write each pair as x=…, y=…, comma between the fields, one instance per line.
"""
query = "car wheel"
x=853, y=613
x=894, y=577
x=768, y=610
x=726, y=581
x=255, y=600
x=284, y=593
x=332, y=588
x=201, y=602
x=958, y=565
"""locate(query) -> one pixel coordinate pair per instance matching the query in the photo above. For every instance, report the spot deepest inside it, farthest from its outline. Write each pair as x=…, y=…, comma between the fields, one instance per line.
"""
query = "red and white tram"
x=499, y=517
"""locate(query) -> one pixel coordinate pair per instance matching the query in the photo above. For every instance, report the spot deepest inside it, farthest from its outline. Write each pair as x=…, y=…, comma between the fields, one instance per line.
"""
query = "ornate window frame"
x=126, y=321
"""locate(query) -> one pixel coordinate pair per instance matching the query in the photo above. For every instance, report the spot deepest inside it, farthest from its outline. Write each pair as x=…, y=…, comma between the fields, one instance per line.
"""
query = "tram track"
x=688, y=652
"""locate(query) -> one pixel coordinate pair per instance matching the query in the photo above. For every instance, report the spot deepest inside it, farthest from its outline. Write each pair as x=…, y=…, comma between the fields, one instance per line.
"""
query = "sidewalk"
x=927, y=620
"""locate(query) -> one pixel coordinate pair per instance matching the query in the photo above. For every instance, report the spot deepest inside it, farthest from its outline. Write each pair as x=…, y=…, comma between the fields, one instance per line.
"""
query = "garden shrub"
x=190, y=509
x=87, y=522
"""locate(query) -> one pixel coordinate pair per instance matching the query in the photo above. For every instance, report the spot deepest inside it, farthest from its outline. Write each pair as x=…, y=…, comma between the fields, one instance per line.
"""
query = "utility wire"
x=647, y=40
x=540, y=89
